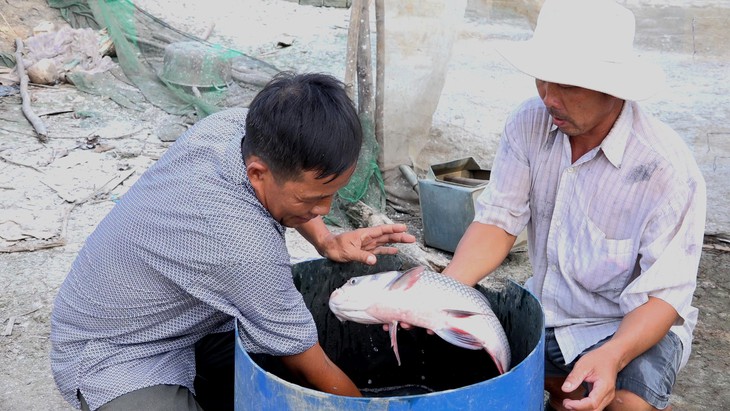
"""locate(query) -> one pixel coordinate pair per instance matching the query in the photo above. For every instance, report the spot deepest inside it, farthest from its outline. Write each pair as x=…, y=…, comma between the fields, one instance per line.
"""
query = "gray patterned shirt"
x=186, y=251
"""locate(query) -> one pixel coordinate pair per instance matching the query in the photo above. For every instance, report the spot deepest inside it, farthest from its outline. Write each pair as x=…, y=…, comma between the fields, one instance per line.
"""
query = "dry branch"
x=34, y=120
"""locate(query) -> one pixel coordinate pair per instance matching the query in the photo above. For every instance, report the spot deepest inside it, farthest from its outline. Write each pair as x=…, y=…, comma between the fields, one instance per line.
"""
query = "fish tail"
x=499, y=365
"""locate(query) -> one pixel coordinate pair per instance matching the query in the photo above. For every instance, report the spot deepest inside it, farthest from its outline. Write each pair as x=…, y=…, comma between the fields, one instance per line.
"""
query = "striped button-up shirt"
x=623, y=223
x=186, y=251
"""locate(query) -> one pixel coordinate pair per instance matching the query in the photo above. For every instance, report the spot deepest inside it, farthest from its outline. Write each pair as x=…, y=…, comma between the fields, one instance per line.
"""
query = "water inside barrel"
x=397, y=391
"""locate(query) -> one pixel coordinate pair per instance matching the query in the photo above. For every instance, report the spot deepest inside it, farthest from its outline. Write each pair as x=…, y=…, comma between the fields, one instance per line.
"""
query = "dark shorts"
x=155, y=398
x=214, y=381
x=651, y=375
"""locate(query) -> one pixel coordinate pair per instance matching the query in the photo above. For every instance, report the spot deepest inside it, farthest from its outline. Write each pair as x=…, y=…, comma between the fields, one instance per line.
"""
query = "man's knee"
x=623, y=401
x=553, y=387
x=628, y=401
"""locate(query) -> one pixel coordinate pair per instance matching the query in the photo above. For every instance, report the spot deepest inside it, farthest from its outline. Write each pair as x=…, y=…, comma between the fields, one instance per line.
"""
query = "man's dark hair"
x=303, y=122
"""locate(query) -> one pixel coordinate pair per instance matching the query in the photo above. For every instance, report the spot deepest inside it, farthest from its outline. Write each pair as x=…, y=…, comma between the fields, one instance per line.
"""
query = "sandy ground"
x=479, y=91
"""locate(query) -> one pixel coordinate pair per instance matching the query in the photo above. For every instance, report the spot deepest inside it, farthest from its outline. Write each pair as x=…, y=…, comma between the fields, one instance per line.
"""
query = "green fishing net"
x=188, y=76
x=174, y=70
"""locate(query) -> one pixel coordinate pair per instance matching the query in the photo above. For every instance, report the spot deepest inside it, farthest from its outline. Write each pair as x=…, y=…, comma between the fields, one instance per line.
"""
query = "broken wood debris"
x=715, y=247
x=12, y=320
x=362, y=215
x=9, y=327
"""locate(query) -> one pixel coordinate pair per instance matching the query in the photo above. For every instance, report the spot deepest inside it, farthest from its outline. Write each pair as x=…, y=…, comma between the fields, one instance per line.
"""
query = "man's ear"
x=258, y=172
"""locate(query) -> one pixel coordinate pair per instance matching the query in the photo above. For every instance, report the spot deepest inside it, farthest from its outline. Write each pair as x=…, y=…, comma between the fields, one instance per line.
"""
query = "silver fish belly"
x=454, y=311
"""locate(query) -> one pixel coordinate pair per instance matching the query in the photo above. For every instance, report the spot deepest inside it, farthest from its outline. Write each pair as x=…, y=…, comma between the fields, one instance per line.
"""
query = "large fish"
x=456, y=312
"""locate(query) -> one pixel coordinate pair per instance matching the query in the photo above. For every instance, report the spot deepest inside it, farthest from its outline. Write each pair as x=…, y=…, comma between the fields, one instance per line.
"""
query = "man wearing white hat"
x=614, y=205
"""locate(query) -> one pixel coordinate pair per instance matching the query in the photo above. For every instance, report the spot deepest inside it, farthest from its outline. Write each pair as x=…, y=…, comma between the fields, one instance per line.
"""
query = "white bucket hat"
x=589, y=44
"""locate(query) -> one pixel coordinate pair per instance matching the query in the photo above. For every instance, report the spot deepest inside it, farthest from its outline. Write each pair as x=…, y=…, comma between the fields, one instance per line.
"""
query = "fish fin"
x=394, y=340
x=461, y=313
x=500, y=366
x=407, y=278
x=459, y=338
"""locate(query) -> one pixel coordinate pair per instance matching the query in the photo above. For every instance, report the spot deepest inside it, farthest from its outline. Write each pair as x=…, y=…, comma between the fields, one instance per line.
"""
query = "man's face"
x=577, y=111
x=295, y=202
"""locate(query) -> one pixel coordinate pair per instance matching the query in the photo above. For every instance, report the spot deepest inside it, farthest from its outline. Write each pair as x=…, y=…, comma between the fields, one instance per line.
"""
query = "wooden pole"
x=364, y=65
x=352, y=39
x=379, y=77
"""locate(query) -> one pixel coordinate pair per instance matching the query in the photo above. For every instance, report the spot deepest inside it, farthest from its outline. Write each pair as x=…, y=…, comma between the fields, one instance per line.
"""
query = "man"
x=144, y=318
x=614, y=206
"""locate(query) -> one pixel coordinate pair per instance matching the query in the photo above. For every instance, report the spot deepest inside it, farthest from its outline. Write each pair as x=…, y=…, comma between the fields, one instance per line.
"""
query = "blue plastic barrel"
x=434, y=375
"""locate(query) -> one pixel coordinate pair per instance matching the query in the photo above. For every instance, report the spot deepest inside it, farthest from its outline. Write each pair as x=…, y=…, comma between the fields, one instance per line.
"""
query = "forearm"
x=640, y=330
x=315, y=369
x=480, y=251
x=316, y=232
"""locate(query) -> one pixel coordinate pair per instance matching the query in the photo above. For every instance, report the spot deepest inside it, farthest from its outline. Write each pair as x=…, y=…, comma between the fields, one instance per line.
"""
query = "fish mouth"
x=338, y=310
x=355, y=314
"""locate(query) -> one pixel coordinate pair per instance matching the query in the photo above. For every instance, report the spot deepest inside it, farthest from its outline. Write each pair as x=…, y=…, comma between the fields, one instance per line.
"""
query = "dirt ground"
x=478, y=93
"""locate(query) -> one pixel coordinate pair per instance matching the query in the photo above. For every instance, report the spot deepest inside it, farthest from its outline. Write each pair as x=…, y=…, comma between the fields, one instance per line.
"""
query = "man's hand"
x=405, y=326
x=598, y=369
x=640, y=329
x=364, y=243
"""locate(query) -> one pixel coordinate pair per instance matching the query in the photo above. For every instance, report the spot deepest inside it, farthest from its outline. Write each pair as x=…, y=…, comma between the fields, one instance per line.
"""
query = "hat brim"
x=629, y=80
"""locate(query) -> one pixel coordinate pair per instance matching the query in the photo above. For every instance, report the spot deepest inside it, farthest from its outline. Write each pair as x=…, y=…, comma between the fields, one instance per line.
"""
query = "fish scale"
x=456, y=312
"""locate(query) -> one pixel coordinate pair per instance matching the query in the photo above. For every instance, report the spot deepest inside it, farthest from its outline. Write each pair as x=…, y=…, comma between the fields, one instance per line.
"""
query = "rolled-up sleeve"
x=505, y=200
x=272, y=315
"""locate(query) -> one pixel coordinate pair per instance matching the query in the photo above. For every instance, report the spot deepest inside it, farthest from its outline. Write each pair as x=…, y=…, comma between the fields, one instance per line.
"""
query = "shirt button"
x=571, y=170
x=554, y=268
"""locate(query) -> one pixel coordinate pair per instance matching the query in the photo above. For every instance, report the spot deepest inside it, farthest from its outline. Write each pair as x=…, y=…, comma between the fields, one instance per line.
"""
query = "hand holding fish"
x=405, y=326
x=455, y=312
x=364, y=243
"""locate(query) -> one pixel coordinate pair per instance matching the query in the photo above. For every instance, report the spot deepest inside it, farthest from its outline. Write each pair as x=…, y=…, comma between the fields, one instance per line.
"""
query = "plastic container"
x=447, y=197
x=194, y=64
x=434, y=374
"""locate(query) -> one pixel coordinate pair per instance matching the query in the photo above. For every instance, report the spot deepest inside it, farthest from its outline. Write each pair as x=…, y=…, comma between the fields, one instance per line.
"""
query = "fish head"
x=352, y=301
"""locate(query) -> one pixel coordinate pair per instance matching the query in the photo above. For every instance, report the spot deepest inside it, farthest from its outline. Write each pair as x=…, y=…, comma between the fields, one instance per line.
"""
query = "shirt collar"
x=614, y=145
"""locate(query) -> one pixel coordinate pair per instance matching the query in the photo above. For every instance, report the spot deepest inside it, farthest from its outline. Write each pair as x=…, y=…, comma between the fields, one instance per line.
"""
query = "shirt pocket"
x=598, y=264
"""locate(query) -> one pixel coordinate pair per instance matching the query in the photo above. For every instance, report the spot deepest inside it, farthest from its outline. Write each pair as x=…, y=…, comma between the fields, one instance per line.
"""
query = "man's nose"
x=323, y=206
x=549, y=94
